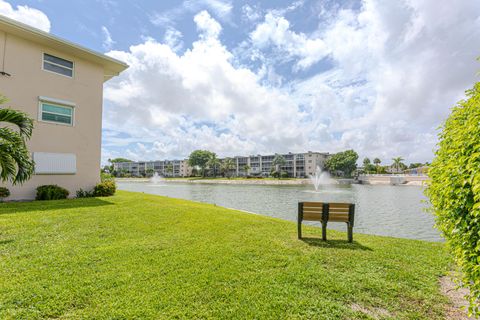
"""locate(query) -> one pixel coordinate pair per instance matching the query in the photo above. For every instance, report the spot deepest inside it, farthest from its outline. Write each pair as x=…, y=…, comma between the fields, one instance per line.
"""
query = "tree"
x=112, y=161
x=150, y=172
x=227, y=166
x=169, y=169
x=212, y=164
x=345, y=162
x=277, y=164
x=199, y=159
x=247, y=168
x=377, y=161
x=16, y=166
x=397, y=163
x=366, y=162
x=415, y=165
x=454, y=190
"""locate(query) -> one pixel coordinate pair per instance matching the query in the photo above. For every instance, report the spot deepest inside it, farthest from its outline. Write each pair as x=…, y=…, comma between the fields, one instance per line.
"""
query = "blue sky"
x=245, y=77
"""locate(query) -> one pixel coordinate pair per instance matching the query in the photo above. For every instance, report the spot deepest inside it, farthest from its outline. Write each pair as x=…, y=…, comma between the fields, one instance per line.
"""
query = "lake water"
x=396, y=211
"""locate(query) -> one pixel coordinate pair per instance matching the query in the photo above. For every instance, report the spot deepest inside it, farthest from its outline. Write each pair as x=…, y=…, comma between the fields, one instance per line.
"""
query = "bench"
x=325, y=212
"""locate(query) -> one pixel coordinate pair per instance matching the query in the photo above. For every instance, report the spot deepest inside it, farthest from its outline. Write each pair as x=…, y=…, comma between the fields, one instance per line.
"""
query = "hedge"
x=454, y=190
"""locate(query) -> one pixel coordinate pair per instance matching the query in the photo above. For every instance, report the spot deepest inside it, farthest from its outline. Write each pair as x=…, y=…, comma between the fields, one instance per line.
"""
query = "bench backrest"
x=324, y=212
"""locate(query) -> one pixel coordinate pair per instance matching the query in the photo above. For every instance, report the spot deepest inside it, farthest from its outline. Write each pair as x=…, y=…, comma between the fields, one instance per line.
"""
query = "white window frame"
x=57, y=103
x=63, y=75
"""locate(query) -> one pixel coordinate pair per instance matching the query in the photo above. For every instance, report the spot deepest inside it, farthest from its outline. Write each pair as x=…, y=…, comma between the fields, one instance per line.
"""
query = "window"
x=57, y=65
x=56, y=113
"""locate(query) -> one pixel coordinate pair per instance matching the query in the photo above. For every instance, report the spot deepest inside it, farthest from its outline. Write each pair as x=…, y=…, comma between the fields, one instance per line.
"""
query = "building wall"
x=299, y=165
x=23, y=60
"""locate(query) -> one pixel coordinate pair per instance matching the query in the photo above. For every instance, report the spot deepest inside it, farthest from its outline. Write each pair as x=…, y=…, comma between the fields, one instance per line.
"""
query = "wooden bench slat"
x=312, y=217
x=312, y=204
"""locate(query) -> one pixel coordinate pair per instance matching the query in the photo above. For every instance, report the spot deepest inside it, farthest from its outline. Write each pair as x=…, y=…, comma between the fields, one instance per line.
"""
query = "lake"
x=396, y=211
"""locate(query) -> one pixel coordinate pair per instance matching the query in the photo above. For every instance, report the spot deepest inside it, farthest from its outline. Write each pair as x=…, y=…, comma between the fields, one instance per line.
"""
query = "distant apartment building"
x=299, y=165
x=60, y=85
x=165, y=168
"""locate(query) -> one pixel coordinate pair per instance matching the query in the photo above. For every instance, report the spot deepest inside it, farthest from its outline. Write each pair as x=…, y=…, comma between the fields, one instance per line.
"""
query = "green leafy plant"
x=51, y=192
x=454, y=189
x=105, y=189
x=84, y=193
x=16, y=166
x=4, y=193
x=345, y=162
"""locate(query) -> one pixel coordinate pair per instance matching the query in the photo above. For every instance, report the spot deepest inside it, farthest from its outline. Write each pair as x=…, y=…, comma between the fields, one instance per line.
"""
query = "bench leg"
x=350, y=232
x=299, y=230
x=324, y=231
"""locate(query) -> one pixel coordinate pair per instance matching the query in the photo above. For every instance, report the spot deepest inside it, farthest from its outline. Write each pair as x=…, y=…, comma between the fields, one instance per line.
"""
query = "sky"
x=249, y=77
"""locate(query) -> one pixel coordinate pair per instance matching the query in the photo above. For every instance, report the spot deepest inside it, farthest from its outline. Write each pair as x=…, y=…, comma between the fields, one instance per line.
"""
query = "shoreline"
x=224, y=181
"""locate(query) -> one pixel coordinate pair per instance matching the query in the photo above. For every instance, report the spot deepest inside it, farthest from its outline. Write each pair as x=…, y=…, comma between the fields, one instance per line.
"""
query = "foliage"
x=397, y=163
x=16, y=166
x=370, y=168
x=200, y=159
x=345, y=162
x=4, y=192
x=454, y=189
x=415, y=165
x=106, y=177
x=105, y=189
x=366, y=162
x=377, y=161
x=116, y=160
x=169, y=169
x=51, y=192
x=228, y=164
x=84, y=193
x=277, y=164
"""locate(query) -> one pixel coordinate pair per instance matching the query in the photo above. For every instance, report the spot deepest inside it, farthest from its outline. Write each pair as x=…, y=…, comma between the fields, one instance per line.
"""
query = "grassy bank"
x=143, y=256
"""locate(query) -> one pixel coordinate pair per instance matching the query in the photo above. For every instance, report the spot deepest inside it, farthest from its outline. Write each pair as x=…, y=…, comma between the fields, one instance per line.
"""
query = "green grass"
x=137, y=256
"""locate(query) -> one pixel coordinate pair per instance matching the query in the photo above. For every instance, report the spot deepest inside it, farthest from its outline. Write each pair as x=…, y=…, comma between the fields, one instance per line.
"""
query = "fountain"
x=156, y=178
x=321, y=178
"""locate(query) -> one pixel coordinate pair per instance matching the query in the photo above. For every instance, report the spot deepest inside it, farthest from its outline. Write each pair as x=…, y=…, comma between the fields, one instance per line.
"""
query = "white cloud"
x=221, y=9
x=395, y=70
x=107, y=39
x=208, y=26
x=27, y=15
x=275, y=30
x=177, y=103
x=173, y=39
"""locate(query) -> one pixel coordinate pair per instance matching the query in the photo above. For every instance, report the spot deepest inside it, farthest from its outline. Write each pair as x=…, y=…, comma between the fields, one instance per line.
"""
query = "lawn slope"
x=143, y=256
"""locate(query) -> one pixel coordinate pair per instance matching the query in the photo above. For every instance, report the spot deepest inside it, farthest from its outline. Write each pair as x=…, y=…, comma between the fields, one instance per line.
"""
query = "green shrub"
x=84, y=193
x=4, y=193
x=51, y=192
x=454, y=189
x=106, y=177
x=105, y=189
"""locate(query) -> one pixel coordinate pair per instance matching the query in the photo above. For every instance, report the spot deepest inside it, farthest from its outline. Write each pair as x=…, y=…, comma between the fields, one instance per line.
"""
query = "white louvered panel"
x=55, y=163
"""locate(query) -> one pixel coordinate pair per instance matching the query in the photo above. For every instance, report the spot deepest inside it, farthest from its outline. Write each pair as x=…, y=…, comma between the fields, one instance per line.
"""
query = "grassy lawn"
x=137, y=256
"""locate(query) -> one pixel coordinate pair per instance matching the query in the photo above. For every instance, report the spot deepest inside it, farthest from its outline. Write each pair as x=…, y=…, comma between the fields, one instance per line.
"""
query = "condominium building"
x=165, y=168
x=297, y=165
x=60, y=85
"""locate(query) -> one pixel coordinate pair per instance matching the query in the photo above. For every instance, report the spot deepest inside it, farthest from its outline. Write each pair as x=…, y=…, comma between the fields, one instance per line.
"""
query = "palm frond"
x=19, y=119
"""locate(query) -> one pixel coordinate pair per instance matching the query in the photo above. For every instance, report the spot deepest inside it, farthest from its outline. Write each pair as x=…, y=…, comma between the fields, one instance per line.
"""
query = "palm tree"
x=15, y=163
x=397, y=162
x=246, y=168
x=277, y=164
x=227, y=166
x=377, y=161
x=213, y=163
x=169, y=169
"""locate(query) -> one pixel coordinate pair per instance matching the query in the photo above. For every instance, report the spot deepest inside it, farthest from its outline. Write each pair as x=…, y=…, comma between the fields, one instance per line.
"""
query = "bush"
x=51, y=192
x=284, y=174
x=84, y=194
x=4, y=193
x=105, y=189
x=454, y=189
